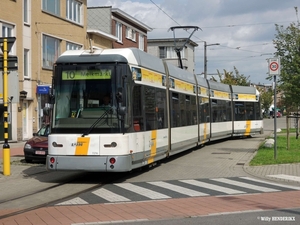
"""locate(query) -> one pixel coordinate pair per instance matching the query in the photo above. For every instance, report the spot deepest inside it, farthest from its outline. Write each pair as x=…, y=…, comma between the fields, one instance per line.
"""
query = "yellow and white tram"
x=156, y=110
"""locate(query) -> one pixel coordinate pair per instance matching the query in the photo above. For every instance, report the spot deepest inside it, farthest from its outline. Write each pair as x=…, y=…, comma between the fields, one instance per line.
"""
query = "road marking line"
x=110, y=196
x=178, y=189
x=213, y=187
x=142, y=191
x=245, y=185
x=74, y=201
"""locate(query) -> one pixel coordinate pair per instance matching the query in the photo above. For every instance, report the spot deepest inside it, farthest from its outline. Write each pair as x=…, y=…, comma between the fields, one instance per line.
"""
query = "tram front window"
x=80, y=95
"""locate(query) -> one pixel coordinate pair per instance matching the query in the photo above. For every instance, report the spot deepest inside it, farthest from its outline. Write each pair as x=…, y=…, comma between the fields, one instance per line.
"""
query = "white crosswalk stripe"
x=143, y=191
x=74, y=201
x=178, y=189
x=213, y=187
x=110, y=196
x=245, y=185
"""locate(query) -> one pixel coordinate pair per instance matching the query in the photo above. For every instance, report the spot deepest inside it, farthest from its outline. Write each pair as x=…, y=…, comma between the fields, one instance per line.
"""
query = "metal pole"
x=275, y=120
x=205, y=57
x=205, y=61
x=6, y=147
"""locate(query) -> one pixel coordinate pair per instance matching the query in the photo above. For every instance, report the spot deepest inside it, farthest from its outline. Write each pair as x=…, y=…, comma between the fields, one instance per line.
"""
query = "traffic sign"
x=274, y=66
x=10, y=42
x=12, y=63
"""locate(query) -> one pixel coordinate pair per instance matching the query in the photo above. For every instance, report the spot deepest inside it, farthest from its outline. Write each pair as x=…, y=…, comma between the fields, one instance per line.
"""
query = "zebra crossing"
x=160, y=190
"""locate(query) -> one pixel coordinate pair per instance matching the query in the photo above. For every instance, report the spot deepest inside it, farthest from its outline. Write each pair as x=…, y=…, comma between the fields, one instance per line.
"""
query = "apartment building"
x=128, y=31
x=43, y=29
x=164, y=49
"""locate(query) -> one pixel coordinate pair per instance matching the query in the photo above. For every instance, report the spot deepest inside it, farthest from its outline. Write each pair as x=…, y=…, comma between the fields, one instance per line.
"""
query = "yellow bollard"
x=6, y=159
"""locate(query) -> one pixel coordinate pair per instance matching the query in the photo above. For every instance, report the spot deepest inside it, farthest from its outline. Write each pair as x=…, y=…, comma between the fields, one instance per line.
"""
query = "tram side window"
x=239, y=111
x=215, y=111
x=188, y=110
x=150, y=108
x=175, y=115
x=204, y=110
x=229, y=110
x=161, y=106
x=182, y=109
x=257, y=111
x=249, y=111
x=137, y=109
x=193, y=110
x=220, y=112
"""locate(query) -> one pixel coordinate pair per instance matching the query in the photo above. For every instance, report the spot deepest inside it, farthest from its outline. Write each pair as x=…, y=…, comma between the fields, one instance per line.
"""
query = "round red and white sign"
x=274, y=66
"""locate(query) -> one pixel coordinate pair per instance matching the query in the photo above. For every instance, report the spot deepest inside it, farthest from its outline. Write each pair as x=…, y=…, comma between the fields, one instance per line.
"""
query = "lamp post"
x=205, y=57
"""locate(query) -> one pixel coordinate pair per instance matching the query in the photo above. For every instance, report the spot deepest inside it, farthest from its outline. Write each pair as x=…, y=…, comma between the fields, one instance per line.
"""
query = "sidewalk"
x=131, y=212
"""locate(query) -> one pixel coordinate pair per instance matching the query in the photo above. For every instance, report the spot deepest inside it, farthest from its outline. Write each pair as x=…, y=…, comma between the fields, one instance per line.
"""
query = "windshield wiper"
x=106, y=113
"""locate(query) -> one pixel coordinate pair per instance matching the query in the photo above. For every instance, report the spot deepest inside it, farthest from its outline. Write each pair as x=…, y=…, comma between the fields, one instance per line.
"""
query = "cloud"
x=244, y=29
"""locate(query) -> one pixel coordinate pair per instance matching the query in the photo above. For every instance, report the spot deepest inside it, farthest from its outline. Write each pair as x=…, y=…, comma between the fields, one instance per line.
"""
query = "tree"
x=266, y=96
x=287, y=45
x=230, y=78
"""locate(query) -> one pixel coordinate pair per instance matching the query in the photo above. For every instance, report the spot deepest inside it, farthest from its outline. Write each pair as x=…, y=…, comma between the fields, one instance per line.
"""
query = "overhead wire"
x=238, y=48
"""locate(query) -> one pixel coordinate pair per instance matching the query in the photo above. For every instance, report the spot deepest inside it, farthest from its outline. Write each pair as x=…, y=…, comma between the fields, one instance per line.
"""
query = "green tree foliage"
x=266, y=97
x=234, y=79
x=287, y=45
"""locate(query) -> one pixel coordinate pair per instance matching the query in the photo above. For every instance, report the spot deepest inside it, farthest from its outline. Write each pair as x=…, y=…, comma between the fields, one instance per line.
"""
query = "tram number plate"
x=40, y=152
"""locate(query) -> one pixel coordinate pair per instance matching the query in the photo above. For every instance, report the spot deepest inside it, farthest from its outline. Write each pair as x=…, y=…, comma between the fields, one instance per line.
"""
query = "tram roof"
x=243, y=89
x=219, y=86
x=86, y=56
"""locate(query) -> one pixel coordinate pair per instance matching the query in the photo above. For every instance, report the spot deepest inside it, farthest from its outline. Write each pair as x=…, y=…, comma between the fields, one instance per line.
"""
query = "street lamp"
x=205, y=57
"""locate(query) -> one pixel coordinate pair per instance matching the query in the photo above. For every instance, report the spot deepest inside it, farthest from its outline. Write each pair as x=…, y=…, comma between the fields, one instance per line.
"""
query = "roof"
x=130, y=18
x=103, y=34
x=158, y=40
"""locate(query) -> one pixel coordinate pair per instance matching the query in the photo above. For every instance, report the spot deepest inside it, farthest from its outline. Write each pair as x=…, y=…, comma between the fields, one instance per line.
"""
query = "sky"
x=244, y=29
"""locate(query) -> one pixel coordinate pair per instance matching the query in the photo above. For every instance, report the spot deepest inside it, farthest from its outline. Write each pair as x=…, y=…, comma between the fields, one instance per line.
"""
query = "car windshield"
x=44, y=131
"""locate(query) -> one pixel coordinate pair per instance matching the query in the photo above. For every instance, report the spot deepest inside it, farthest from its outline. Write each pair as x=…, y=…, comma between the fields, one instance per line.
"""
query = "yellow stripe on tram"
x=82, y=146
x=248, y=127
x=153, y=146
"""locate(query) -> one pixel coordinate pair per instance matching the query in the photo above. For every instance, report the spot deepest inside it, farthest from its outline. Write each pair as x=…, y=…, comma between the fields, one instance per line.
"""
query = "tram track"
x=54, y=187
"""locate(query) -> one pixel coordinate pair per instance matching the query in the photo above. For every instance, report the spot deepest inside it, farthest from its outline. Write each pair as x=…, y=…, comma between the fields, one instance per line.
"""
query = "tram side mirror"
x=119, y=95
x=121, y=110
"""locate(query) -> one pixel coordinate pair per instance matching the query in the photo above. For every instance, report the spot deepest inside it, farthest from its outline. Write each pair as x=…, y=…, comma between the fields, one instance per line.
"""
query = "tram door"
x=2, y=125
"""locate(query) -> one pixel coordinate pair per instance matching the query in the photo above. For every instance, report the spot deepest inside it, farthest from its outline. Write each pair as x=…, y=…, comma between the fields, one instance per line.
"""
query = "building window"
x=26, y=63
x=169, y=52
x=74, y=9
x=119, y=31
x=130, y=34
x=141, y=42
x=7, y=30
x=51, y=50
x=52, y=6
x=162, y=52
x=72, y=46
x=25, y=10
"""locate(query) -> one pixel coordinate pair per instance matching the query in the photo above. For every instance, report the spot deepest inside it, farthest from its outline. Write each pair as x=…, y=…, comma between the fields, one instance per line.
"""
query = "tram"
x=156, y=110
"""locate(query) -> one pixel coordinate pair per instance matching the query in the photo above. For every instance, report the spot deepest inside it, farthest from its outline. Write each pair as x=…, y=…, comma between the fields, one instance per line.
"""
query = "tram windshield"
x=85, y=98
